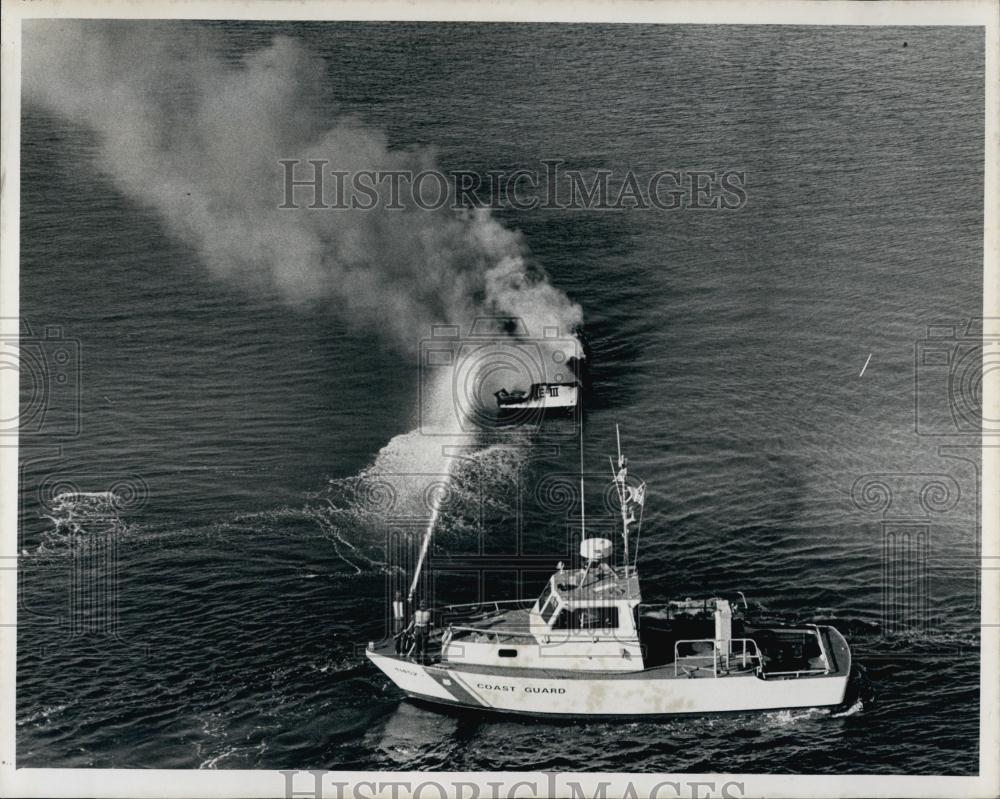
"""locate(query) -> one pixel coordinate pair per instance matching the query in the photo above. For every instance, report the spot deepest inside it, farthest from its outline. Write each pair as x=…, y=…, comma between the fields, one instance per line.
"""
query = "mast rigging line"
x=583, y=507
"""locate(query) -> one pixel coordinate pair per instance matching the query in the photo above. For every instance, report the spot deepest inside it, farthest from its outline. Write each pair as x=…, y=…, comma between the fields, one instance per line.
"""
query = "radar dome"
x=595, y=548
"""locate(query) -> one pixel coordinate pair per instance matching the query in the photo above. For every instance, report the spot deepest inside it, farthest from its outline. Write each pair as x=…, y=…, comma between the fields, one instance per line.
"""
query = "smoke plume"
x=196, y=137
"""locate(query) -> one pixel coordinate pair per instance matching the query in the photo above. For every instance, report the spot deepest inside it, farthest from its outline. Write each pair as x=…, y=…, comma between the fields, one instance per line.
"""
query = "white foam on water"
x=857, y=707
x=784, y=718
x=81, y=518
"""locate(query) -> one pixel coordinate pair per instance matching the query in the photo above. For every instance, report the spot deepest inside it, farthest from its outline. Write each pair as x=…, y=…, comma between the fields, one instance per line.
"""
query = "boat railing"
x=743, y=651
x=495, y=604
x=792, y=674
x=811, y=630
x=680, y=607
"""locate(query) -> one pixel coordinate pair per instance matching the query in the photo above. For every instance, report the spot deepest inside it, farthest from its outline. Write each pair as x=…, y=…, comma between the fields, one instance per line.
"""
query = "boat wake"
x=81, y=519
x=857, y=707
x=415, y=481
x=785, y=718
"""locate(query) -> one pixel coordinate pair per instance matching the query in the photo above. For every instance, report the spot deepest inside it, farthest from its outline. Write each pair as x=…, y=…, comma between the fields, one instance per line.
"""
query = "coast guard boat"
x=587, y=646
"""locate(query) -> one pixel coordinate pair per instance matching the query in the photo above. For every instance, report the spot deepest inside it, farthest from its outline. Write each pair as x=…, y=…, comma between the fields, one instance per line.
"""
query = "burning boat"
x=541, y=398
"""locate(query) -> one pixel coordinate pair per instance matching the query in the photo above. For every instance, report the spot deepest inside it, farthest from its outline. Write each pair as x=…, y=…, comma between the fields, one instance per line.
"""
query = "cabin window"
x=599, y=618
x=549, y=609
x=508, y=653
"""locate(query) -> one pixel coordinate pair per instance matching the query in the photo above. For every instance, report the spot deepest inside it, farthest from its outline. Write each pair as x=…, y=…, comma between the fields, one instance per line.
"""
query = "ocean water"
x=213, y=609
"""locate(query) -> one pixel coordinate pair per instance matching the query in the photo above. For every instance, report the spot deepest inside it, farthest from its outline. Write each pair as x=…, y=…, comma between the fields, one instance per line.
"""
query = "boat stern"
x=840, y=656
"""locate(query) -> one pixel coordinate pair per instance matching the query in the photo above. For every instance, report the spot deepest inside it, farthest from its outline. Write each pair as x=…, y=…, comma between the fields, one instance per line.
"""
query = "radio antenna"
x=583, y=506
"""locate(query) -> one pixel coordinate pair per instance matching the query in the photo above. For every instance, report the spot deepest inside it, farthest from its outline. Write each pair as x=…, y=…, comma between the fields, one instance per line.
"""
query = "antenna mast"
x=627, y=496
x=583, y=507
x=623, y=492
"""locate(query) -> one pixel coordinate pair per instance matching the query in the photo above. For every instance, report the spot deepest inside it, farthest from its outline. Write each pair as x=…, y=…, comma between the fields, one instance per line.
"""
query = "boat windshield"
x=546, y=593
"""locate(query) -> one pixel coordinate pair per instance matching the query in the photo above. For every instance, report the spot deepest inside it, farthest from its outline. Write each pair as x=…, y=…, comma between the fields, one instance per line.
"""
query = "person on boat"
x=399, y=622
x=421, y=629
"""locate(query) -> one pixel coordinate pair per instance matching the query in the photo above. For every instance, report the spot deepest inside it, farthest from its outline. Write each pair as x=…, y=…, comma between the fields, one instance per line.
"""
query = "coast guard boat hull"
x=662, y=690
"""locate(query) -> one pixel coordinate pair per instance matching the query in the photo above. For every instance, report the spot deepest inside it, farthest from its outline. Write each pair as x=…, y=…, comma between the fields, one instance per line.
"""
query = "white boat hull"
x=650, y=693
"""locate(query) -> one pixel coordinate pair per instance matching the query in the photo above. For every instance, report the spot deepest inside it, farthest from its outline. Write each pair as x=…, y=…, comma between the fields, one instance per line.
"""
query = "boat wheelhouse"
x=589, y=646
x=584, y=619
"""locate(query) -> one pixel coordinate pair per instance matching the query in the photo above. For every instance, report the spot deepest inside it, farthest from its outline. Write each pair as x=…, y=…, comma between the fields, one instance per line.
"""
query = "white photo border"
x=38, y=782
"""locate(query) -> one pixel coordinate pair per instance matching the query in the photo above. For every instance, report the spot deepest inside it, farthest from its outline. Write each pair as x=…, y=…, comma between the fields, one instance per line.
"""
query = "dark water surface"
x=728, y=345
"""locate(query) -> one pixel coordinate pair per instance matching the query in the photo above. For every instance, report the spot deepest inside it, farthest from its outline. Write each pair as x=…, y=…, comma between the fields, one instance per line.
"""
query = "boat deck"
x=510, y=621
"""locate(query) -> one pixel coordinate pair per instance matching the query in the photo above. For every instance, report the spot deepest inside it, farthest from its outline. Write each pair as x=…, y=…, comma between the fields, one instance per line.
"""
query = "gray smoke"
x=197, y=138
